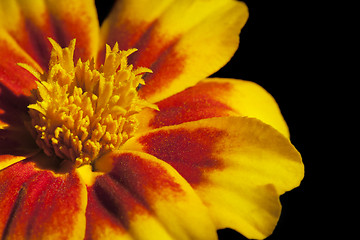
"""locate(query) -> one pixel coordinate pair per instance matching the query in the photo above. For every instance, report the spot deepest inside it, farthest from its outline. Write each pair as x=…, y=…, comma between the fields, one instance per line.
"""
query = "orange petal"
x=15, y=78
x=239, y=166
x=215, y=97
x=30, y=23
x=181, y=41
x=141, y=197
x=37, y=204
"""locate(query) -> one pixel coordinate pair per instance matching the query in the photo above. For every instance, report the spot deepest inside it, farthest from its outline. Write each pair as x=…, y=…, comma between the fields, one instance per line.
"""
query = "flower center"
x=80, y=112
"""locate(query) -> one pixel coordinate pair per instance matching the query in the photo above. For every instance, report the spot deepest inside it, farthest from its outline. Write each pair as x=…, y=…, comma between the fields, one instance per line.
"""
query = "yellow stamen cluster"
x=80, y=112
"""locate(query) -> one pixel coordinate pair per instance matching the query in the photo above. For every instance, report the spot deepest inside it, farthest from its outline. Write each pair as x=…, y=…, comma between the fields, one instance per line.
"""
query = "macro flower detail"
x=116, y=131
x=80, y=113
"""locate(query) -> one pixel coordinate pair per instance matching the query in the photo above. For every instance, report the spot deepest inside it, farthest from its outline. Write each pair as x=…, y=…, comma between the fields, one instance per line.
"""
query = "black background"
x=278, y=50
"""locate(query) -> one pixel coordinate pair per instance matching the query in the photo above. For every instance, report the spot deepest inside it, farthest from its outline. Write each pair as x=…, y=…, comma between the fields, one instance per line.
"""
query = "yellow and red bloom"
x=132, y=140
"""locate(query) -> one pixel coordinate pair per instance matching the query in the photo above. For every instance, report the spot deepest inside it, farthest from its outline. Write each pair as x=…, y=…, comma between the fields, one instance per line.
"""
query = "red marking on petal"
x=35, y=41
x=191, y=153
x=155, y=51
x=37, y=203
x=66, y=29
x=112, y=201
x=143, y=177
x=10, y=188
x=152, y=45
x=118, y=200
x=158, y=53
x=59, y=21
x=98, y=216
x=128, y=190
x=63, y=30
x=12, y=76
x=126, y=35
x=168, y=66
x=35, y=44
x=192, y=104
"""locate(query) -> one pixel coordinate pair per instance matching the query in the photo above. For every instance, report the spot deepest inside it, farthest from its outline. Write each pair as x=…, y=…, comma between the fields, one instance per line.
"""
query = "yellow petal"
x=181, y=41
x=145, y=198
x=37, y=204
x=30, y=23
x=215, y=97
x=237, y=164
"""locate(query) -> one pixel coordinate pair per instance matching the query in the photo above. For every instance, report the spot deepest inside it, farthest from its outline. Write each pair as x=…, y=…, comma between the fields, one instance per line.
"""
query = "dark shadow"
x=15, y=139
x=12, y=107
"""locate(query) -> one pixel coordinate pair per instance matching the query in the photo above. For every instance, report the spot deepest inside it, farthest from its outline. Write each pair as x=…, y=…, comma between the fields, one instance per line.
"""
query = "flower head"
x=131, y=140
x=81, y=112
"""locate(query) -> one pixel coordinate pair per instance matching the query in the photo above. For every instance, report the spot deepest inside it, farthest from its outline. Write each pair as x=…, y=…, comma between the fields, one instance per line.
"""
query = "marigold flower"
x=115, y=132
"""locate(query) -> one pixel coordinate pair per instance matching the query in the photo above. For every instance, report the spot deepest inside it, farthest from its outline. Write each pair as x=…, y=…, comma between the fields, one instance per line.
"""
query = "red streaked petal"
x=76, y=19
x=215, y=97
x=246, y=162
x=12, y=76
x=181, y=41
x=101, y=224
x=36, y=204
x=142, y=196
x=187, y=147
x=9, y=190
x=30, y=23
